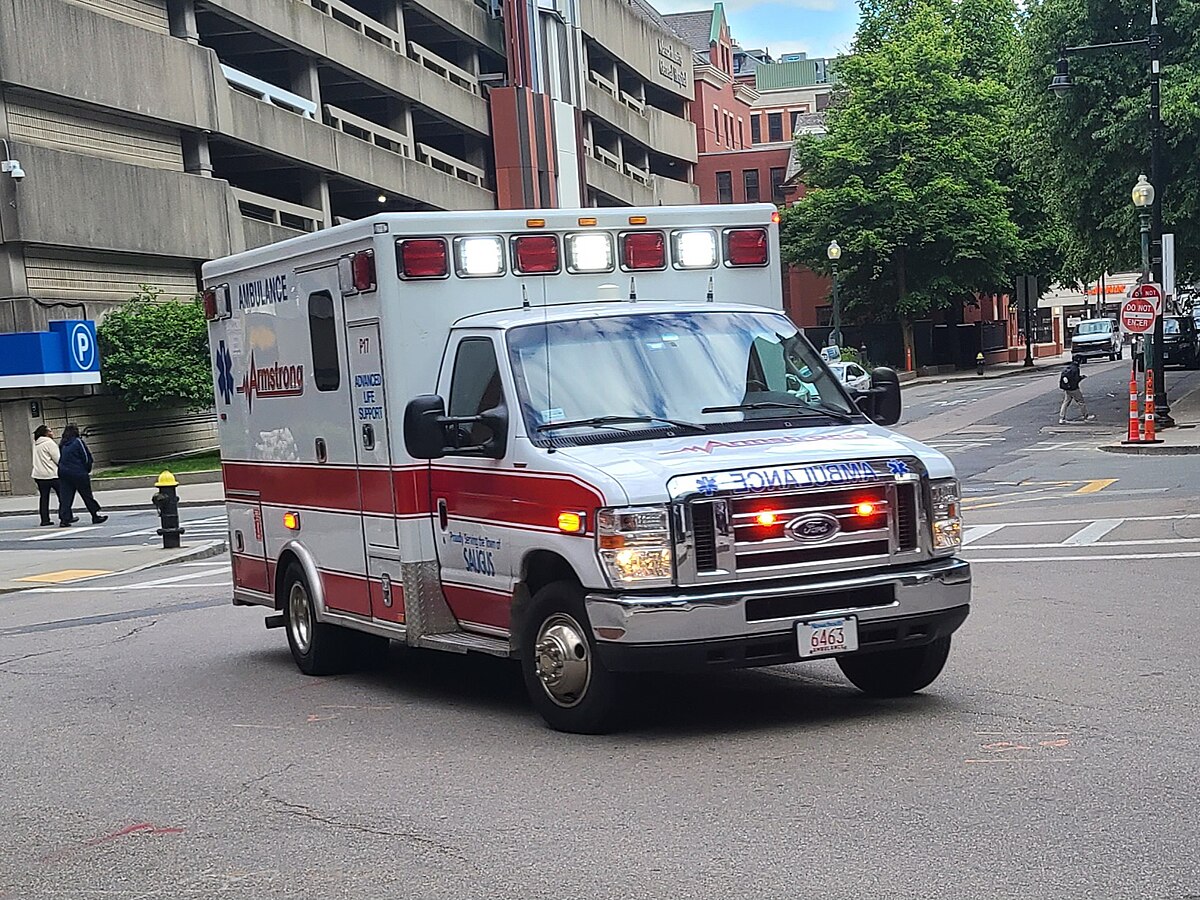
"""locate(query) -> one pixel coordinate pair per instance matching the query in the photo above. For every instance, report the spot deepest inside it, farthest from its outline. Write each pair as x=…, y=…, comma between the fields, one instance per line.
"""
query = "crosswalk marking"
x=62, y=533
x=975, y=532
x=1089, y=534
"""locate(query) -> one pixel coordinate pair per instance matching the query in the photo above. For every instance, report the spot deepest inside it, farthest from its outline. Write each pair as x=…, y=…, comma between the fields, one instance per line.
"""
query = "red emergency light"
x=423, y=258
x=642, y=250
x=216, y=303
x=746, y=247
x=536, y=254
x=362, y=267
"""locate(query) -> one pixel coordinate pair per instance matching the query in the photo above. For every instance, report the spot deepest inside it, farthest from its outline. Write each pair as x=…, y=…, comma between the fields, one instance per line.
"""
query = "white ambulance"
x=586, y=439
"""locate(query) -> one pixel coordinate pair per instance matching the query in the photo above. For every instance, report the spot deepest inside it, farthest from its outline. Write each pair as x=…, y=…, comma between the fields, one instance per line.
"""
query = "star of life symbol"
x=224, y=373
x=898, y=467
x=707, y=486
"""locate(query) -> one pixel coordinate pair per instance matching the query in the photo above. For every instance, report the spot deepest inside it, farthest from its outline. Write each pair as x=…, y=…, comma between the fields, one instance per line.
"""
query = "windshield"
x=1170, y=326
x=1103, y=327
x=684, y=367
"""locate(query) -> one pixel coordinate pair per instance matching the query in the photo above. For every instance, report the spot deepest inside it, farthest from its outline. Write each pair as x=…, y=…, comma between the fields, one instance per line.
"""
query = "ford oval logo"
x=813, y=528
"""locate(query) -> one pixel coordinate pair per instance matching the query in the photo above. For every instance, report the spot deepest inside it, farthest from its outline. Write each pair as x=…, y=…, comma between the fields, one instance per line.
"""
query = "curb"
x=1153, y=449
x=941, y=379
x=184, y=554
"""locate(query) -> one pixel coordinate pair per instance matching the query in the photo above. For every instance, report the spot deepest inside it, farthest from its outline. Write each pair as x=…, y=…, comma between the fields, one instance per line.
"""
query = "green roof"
x=798, y=74
x=717, y=20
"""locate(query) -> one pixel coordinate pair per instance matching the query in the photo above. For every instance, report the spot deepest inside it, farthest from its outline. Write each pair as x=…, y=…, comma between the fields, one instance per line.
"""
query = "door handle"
x=368, y=437
x=443, y=514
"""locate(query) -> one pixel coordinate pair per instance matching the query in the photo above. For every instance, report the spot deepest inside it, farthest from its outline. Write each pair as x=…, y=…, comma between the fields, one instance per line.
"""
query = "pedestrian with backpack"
x=1068, y=383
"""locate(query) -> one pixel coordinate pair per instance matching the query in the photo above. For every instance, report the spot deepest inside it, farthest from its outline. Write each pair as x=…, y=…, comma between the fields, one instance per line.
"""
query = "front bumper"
x=755, y=624
x=1089, y=351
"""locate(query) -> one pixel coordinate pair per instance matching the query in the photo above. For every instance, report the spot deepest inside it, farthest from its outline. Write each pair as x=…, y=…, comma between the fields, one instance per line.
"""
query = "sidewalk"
x=77, y=565
x=1002, y=370
x=126, y=498
x=1182, y=440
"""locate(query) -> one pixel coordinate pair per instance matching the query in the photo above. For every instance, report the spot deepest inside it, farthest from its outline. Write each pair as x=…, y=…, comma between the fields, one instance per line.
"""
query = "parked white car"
x=852, y=375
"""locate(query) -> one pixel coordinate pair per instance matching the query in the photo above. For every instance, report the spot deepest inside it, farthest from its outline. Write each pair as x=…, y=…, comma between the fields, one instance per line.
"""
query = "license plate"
x=824, y=637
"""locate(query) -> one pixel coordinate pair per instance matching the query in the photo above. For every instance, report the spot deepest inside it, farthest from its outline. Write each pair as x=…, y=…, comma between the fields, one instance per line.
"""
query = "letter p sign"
x=83, y=346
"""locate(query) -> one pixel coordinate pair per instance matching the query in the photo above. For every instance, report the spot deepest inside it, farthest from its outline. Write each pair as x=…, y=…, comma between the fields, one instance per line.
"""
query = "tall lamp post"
x=1061, y=85
x=1143, y=202
x=834, y=252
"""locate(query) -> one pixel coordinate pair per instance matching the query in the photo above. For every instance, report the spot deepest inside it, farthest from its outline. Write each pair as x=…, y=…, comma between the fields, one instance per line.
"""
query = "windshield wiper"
x=800, y=409
x=602, y=421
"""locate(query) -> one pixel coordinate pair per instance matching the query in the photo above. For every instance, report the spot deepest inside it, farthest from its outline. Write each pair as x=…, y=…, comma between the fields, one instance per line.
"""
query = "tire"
x=317, y=648
x=896, y=673
x=566, y=680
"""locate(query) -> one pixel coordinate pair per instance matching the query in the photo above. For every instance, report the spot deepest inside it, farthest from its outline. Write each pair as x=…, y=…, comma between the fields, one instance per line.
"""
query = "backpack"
x=1069, y=379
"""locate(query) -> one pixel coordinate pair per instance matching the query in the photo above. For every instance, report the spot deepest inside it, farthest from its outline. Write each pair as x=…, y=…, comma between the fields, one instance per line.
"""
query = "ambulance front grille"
x=766, y=535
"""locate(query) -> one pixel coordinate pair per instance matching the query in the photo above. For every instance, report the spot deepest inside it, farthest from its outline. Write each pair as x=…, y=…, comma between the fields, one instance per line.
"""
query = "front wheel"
x=567, y=682
x=895, y=673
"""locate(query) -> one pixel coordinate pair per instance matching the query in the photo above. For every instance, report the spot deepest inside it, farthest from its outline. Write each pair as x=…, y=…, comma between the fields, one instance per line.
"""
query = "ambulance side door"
x=473, y=496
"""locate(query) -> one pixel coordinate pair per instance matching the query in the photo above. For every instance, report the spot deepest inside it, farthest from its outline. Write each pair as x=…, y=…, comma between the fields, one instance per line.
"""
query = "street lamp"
x=1143, y=201
x=834, y=252
x=1061, y=85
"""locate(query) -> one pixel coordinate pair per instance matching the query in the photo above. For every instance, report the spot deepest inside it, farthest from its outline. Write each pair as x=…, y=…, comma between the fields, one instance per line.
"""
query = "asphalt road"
x=159, y=743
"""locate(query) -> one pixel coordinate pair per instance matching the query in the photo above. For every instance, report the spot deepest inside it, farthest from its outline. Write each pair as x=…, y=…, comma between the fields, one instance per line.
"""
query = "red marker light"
x=644, y=250
x=864, y=509
x=423, y=258
x=536, y=254
x=766, y=518
x=362, y=265
x=746, y=247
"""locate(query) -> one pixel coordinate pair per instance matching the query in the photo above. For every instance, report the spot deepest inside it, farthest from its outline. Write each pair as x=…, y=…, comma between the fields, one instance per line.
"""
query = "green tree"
x=1084, y=151
x=154, y=353
x=907, y=176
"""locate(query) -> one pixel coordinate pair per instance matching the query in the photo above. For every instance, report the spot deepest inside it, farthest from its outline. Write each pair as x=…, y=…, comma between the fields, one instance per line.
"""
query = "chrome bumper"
x=700, y=614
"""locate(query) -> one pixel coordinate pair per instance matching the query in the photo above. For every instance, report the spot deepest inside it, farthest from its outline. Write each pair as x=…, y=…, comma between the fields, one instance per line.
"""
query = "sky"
x=815, y=27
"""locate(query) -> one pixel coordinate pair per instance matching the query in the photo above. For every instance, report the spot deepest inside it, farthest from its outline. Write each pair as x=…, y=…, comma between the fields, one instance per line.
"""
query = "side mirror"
x=424, y=436
x=885, y=407
x=496, y=420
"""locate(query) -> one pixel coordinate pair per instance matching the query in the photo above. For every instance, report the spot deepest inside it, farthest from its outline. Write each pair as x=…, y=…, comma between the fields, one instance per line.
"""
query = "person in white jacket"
x=45, y=469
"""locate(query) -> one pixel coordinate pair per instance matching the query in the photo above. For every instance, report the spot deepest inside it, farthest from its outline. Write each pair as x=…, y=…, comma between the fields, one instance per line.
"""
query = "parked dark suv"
x=1181, y=343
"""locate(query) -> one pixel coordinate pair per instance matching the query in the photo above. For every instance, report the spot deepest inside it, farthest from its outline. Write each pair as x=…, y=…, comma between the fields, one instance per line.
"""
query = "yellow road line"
x=65, y=575
x=1096, y=486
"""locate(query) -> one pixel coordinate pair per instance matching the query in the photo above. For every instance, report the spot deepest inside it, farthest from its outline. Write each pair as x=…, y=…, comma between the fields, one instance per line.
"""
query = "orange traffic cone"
x=1134, y=419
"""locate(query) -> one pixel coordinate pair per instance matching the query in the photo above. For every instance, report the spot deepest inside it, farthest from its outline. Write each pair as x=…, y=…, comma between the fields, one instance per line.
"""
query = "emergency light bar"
x=479, y=257
x=423, y=258
x=643, y=250
x=216, y=303
x=535, y=254
x=745, y=247
x=694, y=248
x=589, y=252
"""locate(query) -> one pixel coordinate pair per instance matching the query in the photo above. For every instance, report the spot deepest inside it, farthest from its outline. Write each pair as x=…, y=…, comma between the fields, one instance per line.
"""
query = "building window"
x=777, y=176
x=724, y=187
x=750, y=183
x=822, y=102
x=716, y=125
x=755, y=130
x=741, y=132
x=774, y=127
x=322, y=333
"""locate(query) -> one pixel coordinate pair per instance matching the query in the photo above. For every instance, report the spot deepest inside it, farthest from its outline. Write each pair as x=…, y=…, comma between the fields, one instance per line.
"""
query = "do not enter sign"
x=1140, y=310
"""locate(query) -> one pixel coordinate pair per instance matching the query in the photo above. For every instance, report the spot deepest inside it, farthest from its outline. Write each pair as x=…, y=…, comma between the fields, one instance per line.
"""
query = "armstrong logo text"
x=263, y=292
x=277, y=380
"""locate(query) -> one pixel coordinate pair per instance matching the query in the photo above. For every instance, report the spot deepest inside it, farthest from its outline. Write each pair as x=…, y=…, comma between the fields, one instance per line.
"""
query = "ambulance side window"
x=475, y=385
x=322, y=332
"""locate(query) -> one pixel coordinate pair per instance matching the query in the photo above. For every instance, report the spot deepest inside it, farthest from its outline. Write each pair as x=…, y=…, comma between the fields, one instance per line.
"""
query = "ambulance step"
x=274, y=621
x=462, y=642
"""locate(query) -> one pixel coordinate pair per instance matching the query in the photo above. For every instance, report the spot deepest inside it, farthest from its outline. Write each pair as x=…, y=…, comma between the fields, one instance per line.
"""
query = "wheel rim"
x=563, y=660
x=300, y=617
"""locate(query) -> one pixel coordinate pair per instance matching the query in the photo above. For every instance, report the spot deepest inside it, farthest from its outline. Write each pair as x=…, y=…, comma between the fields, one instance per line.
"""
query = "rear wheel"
x=317, y=648
x=894, y=673
x=566, y=680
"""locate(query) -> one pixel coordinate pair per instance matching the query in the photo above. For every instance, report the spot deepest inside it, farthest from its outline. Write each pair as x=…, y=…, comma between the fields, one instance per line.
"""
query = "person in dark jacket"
x=1068, y=383
x=74, y=477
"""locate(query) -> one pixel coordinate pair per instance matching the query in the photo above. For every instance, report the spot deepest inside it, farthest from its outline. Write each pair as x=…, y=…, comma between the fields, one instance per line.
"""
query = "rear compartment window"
x=322, y=331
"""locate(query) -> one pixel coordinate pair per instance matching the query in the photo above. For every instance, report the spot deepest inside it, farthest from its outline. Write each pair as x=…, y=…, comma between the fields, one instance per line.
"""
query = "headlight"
x=634, y=544
x=945, y=515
